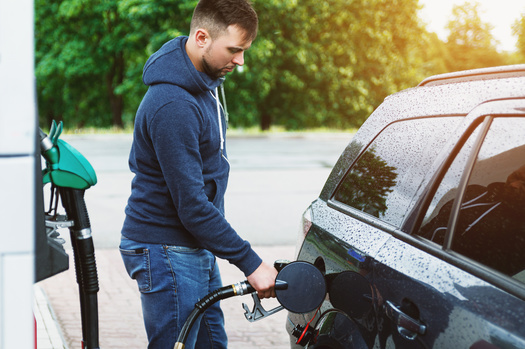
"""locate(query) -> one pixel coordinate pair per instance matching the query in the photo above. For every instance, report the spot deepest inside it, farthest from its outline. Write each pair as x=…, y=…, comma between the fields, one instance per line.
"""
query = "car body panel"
x=402, y=290
x=457, y=308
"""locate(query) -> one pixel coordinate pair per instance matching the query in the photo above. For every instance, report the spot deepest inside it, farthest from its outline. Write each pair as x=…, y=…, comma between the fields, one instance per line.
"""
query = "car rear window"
x=385, y=178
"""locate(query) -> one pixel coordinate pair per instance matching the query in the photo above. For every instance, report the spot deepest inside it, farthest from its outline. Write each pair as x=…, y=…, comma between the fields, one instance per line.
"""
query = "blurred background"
x=315, y=64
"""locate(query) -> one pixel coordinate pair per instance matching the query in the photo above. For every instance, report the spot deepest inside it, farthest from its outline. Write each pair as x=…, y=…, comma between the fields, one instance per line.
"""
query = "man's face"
x=225, y=52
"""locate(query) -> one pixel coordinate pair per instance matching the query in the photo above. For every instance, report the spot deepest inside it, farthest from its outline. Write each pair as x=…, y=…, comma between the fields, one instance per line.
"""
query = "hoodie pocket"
x=211, y=190
x=221, y=190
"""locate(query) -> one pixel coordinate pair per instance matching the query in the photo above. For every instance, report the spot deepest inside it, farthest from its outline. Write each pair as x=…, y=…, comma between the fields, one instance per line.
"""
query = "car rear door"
x=453, y=276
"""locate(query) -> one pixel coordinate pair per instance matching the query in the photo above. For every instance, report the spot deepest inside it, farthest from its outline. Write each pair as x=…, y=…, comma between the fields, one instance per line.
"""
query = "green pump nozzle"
x=65, y=166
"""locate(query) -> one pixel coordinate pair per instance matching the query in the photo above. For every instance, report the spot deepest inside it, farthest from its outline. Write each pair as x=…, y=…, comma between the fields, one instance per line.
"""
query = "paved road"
x=120, y=313
x=272, y=181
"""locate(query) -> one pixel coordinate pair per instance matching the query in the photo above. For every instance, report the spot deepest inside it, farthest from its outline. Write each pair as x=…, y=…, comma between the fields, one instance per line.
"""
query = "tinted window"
x=386, y=176
x=490, y=226
x=491, y=222
x=436, y=218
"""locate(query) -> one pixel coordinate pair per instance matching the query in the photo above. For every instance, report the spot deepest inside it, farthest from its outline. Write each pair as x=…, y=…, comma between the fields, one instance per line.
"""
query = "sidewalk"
x=49, y=335
x=120, y=314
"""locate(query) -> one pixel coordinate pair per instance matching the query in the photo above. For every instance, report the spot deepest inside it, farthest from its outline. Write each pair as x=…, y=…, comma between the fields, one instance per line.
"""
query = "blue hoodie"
x=181, y=170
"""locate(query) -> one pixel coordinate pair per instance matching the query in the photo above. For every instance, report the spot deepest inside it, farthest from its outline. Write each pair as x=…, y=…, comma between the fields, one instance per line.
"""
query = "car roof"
x=456, y=94
x=475, y=74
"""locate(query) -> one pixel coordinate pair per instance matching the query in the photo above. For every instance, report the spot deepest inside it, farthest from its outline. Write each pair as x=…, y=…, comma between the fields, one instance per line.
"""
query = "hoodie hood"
x=164, y=67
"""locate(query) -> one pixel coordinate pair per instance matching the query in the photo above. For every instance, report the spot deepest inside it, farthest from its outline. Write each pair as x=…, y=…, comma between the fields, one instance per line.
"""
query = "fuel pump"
x=70, y=174
x=299, y=287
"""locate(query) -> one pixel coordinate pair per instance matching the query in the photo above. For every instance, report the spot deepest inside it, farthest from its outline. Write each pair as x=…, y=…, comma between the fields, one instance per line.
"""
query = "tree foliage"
x=518, y=29
x=314, y=63
x=90, y=54
x=329, y=62
x=470, y=43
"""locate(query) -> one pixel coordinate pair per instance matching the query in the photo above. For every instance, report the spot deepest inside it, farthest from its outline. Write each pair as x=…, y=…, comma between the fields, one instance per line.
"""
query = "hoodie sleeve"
x=175, y=132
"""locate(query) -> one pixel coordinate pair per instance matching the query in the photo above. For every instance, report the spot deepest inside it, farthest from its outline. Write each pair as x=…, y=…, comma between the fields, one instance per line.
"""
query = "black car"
x=420, y=228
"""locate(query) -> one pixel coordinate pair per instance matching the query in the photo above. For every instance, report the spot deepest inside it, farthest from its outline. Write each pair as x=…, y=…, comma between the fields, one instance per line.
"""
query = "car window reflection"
x=381, y=182
x=356, y=190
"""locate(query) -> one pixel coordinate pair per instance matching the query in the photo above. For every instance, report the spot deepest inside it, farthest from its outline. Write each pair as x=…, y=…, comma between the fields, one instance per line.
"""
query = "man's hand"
x=263, y=280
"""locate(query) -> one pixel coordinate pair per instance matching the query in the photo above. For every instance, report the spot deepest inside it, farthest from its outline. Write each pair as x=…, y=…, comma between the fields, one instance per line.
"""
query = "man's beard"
x=212, y=72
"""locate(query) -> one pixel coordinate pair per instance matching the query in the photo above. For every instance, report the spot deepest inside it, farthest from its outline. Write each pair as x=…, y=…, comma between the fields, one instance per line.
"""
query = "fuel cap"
x=300, y=287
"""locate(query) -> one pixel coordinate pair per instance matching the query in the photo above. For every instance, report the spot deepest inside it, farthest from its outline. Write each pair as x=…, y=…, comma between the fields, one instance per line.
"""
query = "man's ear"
x=201, y=37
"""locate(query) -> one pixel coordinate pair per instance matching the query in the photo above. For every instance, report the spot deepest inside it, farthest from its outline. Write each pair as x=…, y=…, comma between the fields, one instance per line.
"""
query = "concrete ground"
x=120, y=314
x=273, y=179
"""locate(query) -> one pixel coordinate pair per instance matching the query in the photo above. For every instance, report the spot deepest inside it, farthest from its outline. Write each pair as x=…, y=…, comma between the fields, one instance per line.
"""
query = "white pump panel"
x=17, y=173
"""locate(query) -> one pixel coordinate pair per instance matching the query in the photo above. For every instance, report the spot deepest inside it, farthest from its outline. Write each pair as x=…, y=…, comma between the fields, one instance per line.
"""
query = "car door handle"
x=407, y=326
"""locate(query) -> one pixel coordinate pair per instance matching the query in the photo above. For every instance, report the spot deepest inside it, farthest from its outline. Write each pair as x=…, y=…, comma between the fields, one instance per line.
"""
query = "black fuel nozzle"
x=299, y=286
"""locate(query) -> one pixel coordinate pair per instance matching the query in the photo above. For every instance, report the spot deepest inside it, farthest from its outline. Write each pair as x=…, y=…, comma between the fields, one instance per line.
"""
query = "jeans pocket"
x=138, y=266
x=184, y=249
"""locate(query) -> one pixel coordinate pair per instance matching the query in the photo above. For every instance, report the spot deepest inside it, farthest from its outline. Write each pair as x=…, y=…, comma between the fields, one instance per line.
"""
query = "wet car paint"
x=441, y=297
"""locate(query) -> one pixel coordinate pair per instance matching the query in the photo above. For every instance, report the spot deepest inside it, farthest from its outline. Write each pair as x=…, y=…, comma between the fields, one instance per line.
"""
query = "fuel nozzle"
x=48, y=149
x=48, y=143
x=300, y=288
x=66, y=167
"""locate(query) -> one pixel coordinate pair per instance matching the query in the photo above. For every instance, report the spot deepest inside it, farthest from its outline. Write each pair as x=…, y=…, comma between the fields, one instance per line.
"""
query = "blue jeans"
x=171, y=279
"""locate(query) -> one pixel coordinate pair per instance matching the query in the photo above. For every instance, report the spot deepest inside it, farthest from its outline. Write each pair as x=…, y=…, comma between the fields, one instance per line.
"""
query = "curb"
x=49, y=334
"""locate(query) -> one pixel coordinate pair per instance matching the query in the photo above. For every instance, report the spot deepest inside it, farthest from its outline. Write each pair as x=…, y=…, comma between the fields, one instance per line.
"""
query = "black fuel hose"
x=83, y=250
x=85, y=264
x=238, y=289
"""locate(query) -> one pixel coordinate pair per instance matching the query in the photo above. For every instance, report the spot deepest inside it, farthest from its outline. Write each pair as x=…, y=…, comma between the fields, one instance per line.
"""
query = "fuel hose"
x=73, y=175
x=85, y=264
x=299, y=286
x=238, y=289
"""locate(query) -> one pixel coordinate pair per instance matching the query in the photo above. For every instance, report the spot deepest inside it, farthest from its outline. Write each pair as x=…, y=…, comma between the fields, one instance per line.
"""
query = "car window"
x=490, y=226
x=491, y=222
x=435, y=222
x=384, y=179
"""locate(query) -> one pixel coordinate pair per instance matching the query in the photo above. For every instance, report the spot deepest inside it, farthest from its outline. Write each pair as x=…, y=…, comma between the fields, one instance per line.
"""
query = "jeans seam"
x=174, y=287
x=148, y=266
x=210, y=332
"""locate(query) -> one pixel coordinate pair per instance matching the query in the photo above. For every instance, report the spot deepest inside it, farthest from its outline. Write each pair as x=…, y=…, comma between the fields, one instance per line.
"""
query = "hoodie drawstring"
x=216, y=97
x=219, y=117
x=225, y=107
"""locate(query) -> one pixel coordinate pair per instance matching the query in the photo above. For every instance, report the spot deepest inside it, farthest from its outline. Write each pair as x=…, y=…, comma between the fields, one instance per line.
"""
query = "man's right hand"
x=263, y=280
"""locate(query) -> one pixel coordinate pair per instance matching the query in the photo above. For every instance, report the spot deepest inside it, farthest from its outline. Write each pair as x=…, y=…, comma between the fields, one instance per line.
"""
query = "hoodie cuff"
x=249, y=263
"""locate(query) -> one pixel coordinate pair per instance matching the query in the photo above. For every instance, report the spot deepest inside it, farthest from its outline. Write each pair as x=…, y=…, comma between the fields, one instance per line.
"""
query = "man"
x=175, y=224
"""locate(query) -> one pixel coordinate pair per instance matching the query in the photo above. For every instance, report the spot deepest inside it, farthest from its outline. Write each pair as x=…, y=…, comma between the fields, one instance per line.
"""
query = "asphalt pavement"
x=273, y=179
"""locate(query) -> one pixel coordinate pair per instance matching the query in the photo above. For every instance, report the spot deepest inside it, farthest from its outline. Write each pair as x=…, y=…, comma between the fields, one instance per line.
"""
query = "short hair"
x=217, y=15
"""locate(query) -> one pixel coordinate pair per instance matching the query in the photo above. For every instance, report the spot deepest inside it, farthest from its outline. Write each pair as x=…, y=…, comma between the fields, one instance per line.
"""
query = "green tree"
x=470, y=42
x=314, y=63
x=90, y=54
x=75, y=62
x=327, y=63
x=518, y=29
